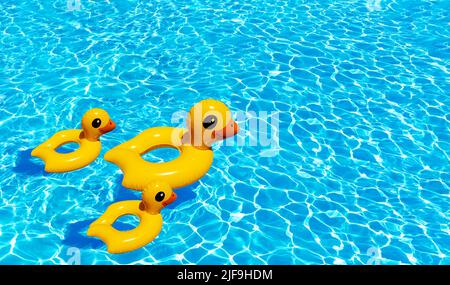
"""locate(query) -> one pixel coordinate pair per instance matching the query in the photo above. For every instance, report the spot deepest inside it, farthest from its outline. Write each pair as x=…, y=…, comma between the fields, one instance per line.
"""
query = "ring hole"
x=126, y=223
x=68, y=147
x=160, y=155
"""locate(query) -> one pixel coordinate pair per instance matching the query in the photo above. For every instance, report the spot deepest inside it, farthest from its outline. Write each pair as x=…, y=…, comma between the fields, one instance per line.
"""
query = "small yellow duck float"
x=208, y=121
x=155, y=196
x=95, y=123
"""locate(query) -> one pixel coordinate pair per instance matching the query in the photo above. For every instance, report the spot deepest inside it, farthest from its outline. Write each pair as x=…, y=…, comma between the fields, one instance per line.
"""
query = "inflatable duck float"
x=95, y=122
x=155, y=196
x=208, y=121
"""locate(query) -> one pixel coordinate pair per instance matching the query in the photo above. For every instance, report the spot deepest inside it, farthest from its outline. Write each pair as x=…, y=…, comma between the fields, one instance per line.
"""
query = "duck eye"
x=160, y=196
x=210, y=122
x=96, y=123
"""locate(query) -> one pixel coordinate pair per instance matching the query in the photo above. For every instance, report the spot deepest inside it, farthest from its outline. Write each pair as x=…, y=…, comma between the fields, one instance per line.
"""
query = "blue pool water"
x=361, y=90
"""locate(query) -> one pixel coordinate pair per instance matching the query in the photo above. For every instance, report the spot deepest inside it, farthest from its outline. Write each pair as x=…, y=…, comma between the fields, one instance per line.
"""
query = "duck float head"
x=155, y=197
x=95, y=123
x=208, y=121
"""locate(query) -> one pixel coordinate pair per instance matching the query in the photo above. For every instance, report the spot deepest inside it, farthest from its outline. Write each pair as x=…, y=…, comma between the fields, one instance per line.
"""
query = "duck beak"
x=170, y=200
x=109, y=127
x=230, y=130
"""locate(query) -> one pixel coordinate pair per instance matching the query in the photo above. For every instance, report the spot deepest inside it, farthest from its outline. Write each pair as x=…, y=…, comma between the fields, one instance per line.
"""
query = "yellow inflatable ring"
x=63, y=162
x=95, y=123
x=186, y=169
x=155, y=197
x=208, y=121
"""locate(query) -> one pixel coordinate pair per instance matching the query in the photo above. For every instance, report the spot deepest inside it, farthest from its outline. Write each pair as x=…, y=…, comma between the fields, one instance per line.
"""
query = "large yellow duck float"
x=155, y=196
x=208, y=121
x=95, y=123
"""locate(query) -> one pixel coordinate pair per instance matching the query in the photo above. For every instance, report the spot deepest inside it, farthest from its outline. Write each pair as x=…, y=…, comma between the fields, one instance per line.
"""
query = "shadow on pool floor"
x=25, y=164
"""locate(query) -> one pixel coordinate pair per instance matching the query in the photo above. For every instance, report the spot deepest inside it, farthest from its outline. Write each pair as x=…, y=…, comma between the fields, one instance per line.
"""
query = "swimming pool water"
x=361, y=89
